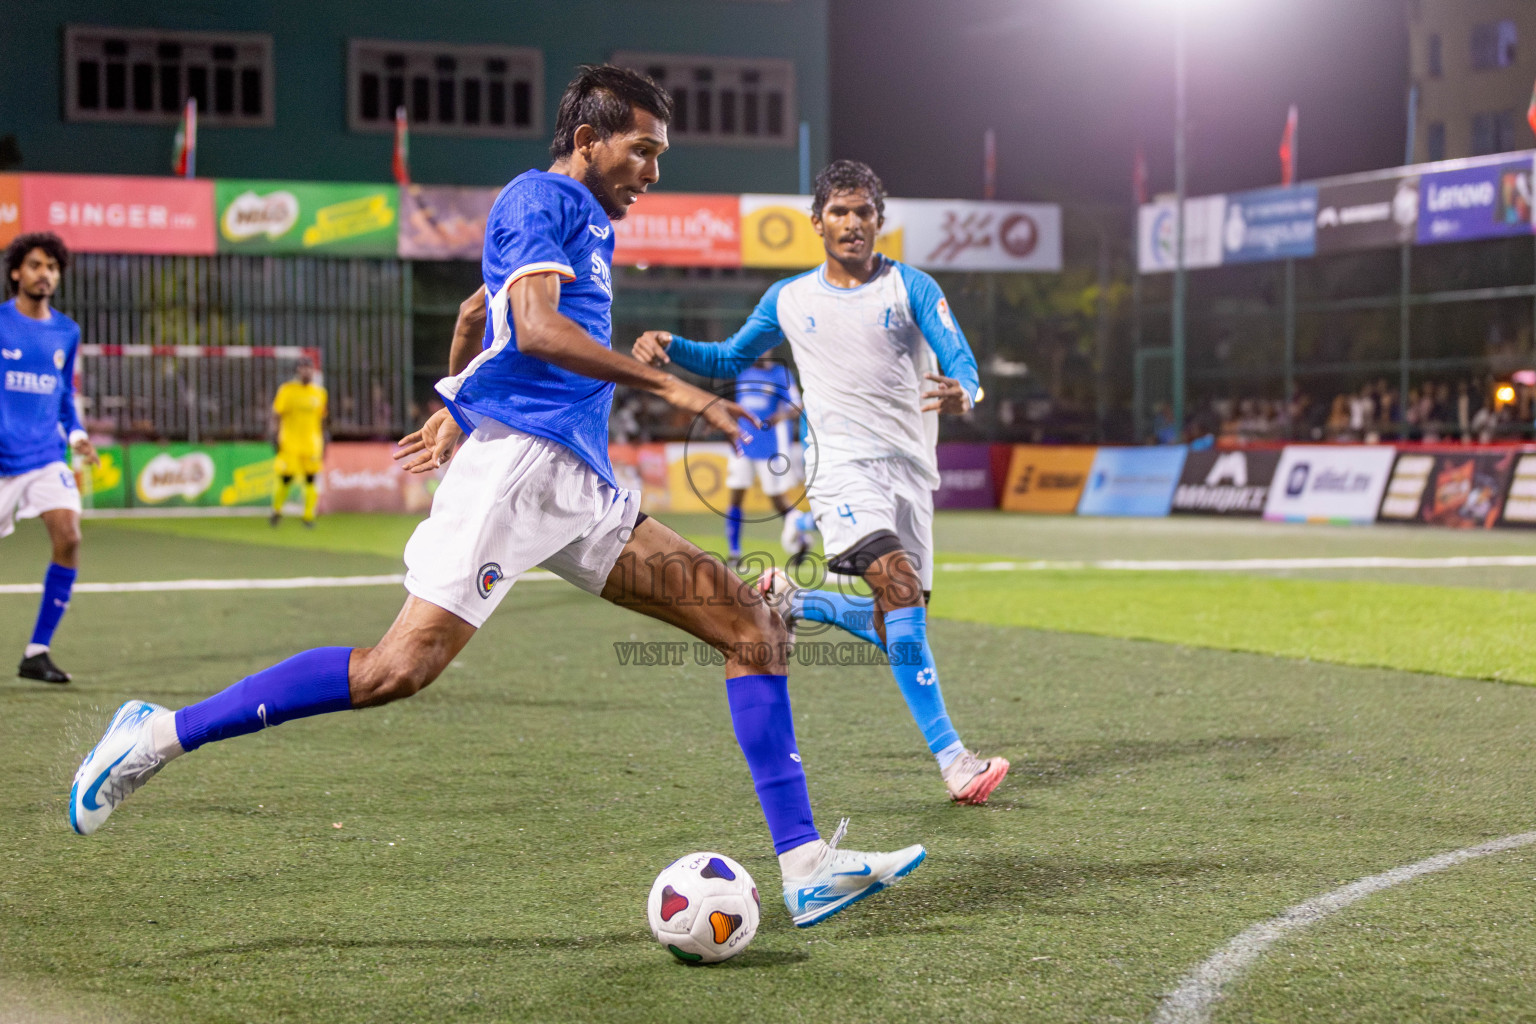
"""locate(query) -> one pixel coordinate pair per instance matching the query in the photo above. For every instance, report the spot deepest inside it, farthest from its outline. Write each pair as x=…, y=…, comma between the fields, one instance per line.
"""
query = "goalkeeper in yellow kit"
x=298, y=430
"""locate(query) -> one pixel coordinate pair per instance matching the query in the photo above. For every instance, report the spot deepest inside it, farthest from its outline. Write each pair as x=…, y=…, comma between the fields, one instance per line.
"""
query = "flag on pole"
x=1139, y=176
x=402, y=159
x=1288, y=149
x=184, y=159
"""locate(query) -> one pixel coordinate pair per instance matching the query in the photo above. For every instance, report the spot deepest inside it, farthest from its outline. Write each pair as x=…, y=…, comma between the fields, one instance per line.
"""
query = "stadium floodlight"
x=1504, y=395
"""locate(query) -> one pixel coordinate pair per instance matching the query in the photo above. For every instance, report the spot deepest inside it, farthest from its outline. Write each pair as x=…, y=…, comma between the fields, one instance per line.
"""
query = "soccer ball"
x=704, y=908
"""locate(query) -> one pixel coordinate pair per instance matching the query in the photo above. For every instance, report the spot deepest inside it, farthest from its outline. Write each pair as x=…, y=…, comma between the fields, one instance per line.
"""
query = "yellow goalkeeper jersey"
x=300, y=409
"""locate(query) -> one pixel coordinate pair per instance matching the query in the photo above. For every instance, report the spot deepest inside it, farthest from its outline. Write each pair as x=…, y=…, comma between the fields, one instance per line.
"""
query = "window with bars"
x=488, y=91
x=1494, y=45
x=746, y=101
x=146, y=76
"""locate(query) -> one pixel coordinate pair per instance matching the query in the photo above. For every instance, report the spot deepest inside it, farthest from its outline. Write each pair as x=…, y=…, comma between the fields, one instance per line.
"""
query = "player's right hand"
x=651, y=348
x=431, y=446
x=722, y=414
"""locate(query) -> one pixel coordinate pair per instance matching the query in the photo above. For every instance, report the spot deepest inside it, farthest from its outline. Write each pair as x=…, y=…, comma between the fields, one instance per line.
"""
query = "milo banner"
x=103, y=485
x=1463, y=490
x=315, y=217
x=1217, y=483
x=220, y=475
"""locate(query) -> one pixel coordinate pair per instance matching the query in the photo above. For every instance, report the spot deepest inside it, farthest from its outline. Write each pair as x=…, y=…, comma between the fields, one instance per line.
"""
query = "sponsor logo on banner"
x=307, y=217
x=1367, y=214
x=696, y=479
x=98, y=213
x=950, y=234
x=776, y=231
x=250, y=215
x=444, y=223
x=673, y=229
x=362, y=476
x=643, y=468
x=1234, y=483
x=1047, y=478
x=1157, y=227
x=1520, y=505
x=1491, y=201
x=1132, y=481
x=10, y=207
x=1270, y=224
x=166, y=476
x=965, y=474
x=1329, y=483
x=1456, y=489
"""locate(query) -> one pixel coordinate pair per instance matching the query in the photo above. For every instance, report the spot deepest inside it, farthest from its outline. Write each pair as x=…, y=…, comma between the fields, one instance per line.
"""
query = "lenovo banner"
x=1463, y=490
x=439, y=222
x=97, y=213
x=1329, y=483
x=1270, y=224
x=1047, y=478
x=1491, y=201
x=1132, y=481
x=680, y=230
x=965, y=472
x=1157, y=227
x=1367, y=214
x=1217, y=483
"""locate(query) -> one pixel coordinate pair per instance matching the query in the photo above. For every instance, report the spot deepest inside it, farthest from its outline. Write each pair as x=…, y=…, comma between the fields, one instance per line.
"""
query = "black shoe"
x=275, y=518
x=41, y=668
x=309, y=524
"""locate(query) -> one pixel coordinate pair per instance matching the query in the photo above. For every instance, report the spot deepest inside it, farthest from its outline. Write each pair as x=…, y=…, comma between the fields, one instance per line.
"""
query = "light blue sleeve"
x=721, y=359
x=931, y=311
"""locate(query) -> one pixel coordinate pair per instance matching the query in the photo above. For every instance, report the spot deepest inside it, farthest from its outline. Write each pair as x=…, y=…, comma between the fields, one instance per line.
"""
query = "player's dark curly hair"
x=847, y=176
x=604, y=97
x=16, y=252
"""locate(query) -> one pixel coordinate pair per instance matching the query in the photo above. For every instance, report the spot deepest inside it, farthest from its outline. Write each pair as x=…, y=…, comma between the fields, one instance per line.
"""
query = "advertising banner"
x=965, y=474
x=1462, y=490
x=10, y=207
x=776, y=231
x=103, y=485
x=1520, y=506
x=1156, y=225
x=1132, y=481
x=957, y=234
x=682, y=230
x=313, y=217
x=1367, y=214
x=225, y=475
x=643, y=468
x=1492, y=201
x=1047, y=478
x=1270, y=224
x=440, y=222
x=1329, y=483
x=362, y=476
x=696, y=480
x=1217, y=483
x=99, y=213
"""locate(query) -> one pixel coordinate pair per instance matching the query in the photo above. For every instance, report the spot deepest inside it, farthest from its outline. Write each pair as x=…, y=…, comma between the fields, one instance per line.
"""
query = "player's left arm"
x=69, y=416
x=468, y=333
x=957, y=385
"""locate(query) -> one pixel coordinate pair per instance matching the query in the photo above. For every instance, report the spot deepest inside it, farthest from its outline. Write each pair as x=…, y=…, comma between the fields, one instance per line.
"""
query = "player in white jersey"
x=867, y=334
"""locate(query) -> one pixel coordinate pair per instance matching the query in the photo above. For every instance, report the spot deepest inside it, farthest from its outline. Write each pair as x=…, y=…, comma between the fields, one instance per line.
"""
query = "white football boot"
x=843, y=877
x=120, y=763
x=777, y=591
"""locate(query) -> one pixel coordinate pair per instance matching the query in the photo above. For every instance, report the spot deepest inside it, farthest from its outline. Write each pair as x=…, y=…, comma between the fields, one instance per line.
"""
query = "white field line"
x=279, y=583
x=1199, y=991
x=1252, y=564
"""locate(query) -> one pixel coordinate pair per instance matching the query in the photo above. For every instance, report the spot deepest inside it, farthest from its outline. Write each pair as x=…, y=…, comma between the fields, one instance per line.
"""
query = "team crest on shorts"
x=490, y=574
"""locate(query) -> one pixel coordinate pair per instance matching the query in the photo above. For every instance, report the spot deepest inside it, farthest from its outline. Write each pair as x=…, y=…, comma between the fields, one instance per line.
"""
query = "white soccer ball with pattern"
x=704, y=908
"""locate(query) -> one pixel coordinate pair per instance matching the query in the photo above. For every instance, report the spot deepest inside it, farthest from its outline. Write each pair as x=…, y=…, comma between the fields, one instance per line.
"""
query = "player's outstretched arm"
x=468, y=333
x=717, y=359
x=545, y=333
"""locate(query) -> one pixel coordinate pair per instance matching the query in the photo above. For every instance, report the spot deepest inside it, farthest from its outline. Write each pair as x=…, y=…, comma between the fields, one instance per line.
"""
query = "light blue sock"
x=906, y=643
x=854, y=614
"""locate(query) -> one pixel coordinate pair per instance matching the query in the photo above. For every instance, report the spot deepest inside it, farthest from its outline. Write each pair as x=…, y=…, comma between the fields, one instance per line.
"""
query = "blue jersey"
x=37, y=393
x=764, y=392
x=542, y=223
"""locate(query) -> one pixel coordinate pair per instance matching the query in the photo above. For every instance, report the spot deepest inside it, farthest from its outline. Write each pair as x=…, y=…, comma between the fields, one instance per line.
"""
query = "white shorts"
x=30, y=494
x=511, y=501
x=852, y=500
x=776, y=475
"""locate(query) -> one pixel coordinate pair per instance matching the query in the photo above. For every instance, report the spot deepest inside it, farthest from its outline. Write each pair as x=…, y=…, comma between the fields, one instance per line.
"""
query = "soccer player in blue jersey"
x=768, y=392
x=531, y=485
x=867, y=332
x=38, y=426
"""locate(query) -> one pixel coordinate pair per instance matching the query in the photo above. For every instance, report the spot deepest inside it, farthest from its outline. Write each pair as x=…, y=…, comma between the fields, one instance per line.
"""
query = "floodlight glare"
x=1505, y=394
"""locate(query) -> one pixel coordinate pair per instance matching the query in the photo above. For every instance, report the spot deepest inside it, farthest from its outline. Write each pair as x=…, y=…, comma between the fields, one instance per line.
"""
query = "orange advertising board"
x=362, y=476
x=680, y=229
x=1047, y=478
x=116, y=213
x=10, y=207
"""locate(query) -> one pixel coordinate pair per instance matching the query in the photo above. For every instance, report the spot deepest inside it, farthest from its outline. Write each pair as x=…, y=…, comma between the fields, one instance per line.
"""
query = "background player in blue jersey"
x=867, y=334
x=767, y=391
x=38, y=424
x=531, y=485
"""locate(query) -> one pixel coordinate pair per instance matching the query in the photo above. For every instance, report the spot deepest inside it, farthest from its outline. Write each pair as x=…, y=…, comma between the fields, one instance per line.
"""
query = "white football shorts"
x=30, y=494
x=776, y=475
x=852, y=500
x=511, y=501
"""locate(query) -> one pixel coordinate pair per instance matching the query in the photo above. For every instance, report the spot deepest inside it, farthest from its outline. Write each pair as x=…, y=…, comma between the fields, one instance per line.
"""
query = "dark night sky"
x=1072, y=85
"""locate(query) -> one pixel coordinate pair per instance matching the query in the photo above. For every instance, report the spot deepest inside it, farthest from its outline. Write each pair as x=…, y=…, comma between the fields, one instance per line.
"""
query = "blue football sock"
x=766, y=731
x=311, y=683
x=57, y=583
x=906, y=642
x=855, y=614
x=733, y=531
